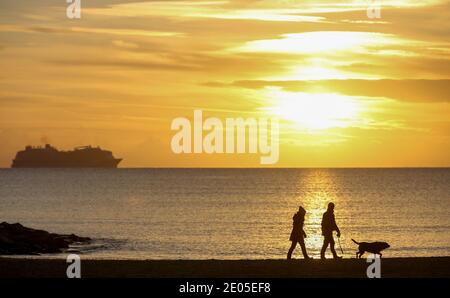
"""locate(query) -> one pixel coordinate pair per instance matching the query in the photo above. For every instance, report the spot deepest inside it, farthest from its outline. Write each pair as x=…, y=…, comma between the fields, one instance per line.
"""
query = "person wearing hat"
x=298, y=235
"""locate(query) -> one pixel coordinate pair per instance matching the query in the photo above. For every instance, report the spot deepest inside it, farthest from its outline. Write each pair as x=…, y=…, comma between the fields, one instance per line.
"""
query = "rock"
x=15, y=239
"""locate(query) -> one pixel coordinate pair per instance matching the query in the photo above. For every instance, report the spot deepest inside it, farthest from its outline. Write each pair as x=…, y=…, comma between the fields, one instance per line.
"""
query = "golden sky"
x=350, y=91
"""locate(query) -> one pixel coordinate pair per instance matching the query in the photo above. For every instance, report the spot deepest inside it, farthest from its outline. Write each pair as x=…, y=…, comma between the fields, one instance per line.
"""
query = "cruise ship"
x=50, y=157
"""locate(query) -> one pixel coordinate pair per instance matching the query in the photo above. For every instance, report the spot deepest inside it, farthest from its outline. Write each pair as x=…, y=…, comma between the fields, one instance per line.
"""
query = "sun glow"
x=315, y=111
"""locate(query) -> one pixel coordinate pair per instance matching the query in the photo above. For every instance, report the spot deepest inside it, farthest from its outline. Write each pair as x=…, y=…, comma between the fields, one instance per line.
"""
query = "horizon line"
x=238, y=168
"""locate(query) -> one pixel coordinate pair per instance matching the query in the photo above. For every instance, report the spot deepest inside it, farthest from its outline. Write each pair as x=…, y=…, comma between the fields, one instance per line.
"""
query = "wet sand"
x=354, y=268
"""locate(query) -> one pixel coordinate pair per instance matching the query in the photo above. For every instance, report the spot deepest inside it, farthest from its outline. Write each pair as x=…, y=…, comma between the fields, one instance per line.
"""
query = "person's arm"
x=336, y=228
x=304, y=234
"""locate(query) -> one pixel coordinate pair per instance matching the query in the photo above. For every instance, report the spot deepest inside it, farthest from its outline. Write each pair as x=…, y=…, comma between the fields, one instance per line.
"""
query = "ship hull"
x=68, y=164
x=50, y=157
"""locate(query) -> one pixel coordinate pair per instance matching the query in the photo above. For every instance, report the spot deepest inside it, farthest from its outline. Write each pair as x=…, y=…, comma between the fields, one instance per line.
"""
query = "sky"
x=348, y=90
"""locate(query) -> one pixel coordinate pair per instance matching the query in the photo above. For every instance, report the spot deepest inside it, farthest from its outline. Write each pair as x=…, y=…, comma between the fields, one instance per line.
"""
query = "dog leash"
x=339, y=241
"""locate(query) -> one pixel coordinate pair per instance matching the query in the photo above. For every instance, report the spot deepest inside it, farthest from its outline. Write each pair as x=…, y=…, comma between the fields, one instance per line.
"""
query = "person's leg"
x=291, y=249
x=305, y=253
x=333, y=251
x=324, y=247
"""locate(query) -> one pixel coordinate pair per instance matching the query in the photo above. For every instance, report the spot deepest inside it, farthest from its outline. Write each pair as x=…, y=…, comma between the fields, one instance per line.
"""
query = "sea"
x=230, y=213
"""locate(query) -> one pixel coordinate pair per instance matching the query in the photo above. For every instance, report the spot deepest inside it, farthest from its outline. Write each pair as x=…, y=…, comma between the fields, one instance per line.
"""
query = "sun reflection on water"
x=318, y=189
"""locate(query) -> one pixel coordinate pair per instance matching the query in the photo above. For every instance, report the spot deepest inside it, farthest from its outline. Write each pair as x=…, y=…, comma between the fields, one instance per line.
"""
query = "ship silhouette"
x=50, y=157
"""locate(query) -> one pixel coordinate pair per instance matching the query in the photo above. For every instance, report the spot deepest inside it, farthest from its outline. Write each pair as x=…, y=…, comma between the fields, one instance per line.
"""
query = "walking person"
x=298, y=235
x=328, y=226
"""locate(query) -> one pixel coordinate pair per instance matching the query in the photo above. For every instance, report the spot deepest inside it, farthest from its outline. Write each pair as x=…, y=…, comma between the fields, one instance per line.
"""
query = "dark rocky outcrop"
x=15, y=239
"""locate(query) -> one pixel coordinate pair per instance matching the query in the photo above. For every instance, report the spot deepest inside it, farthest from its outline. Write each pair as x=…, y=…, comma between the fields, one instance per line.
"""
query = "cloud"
x=123, y=63
x=405, y=90
x=125, y=44
x=318, y=42
x=208, y=9
x=63, y=30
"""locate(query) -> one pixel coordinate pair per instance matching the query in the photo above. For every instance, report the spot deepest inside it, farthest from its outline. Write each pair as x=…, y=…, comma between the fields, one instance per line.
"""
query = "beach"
x=429, y=267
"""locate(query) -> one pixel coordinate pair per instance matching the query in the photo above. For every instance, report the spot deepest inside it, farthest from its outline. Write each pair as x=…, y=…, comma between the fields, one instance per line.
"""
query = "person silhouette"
x=298, y=234
x=328, y=226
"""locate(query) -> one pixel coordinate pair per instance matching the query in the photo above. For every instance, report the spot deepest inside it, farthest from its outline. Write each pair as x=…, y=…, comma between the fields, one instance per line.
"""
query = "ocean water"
x=230, y=213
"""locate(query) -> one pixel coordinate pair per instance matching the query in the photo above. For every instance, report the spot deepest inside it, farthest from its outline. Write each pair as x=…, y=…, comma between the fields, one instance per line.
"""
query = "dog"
x=373, y=247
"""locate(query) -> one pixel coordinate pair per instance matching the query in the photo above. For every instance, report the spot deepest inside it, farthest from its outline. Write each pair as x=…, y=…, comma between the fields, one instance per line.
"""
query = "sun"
x=314, y=111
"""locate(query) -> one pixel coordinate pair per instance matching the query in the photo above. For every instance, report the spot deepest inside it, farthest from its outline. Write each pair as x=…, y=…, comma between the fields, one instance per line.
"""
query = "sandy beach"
x=346, y=268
